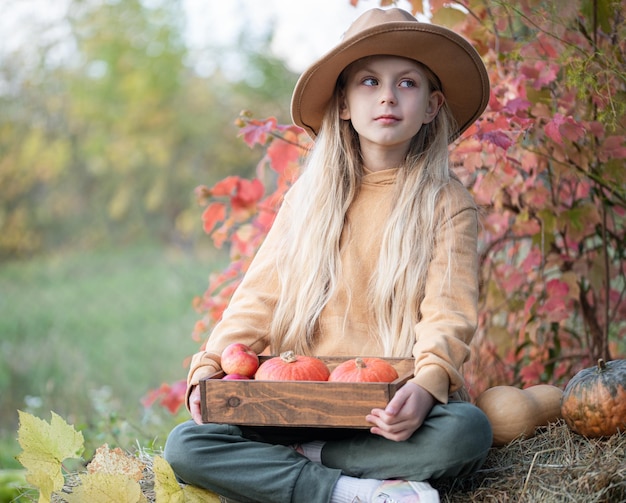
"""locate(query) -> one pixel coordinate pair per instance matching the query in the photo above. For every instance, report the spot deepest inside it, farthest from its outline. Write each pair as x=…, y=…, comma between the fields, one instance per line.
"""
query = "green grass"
x=87, y=335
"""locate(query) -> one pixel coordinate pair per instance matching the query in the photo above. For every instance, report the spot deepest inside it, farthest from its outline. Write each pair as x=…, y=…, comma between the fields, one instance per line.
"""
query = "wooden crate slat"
x=298, y=403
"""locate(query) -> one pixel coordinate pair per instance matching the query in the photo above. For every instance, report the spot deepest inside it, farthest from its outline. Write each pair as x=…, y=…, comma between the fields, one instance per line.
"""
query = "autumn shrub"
x=546, y=164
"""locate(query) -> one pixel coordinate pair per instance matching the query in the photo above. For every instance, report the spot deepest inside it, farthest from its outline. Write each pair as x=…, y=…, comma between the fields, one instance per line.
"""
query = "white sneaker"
x=405, y=491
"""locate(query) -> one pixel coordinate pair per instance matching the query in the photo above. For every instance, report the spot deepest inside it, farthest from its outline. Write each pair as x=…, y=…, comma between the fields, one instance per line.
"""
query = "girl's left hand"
x=404, y=413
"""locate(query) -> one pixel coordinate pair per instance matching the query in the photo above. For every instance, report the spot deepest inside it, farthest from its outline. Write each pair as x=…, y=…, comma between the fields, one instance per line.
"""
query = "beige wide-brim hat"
x=396, y=32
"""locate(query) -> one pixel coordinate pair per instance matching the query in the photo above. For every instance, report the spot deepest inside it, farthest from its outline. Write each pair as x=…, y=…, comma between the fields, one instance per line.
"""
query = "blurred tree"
x=107, y=143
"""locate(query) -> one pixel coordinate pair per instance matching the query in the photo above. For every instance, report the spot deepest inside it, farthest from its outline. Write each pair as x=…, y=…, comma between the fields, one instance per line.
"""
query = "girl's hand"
x=404, y=413
x=194, y=405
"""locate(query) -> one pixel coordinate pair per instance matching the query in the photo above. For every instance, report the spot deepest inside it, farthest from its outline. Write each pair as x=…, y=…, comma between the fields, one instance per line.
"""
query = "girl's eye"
x=369, y=81
x=407, y=83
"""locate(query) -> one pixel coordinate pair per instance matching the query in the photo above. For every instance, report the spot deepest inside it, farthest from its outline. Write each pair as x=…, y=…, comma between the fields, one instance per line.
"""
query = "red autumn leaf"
x=523, y=225
x=467, y=145
x=256, y=132
x=497, y=224
x=176, y=396
x=243, y=241
x=152, y=396
x=552, y=128
x=515, y=280
x=265, y=218
x=535, y=195
x=248, y=193
x=486, y=187
x=614, y=147
x=583, y=190
x=528, y=306
x=283, y=154
x=556, y=287
x=545, y=47
x=217, y=281
x=517, y=106
x=556, y=305
x=560, y=126
x=541, y=74
x=532, y=260
x=572, y=129
x=529, y=161
x=532, y=373
x=213, y=213
x=199, y=329
x=498, y=138
x=225, y=187
x=220, y=236
x=171, y=397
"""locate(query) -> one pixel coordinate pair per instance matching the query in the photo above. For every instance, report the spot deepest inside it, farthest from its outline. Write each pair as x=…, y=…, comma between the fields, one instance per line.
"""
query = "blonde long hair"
x=309, y=260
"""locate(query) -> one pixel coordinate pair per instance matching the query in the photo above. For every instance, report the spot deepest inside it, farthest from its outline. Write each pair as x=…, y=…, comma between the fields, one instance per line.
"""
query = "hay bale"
x=554, y=466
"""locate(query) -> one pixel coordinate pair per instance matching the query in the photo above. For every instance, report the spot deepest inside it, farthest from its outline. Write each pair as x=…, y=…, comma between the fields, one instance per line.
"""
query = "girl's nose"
x=387, y=95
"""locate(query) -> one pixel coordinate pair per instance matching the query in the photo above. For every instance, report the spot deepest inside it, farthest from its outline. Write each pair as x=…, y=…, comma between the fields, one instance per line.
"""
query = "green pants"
x=255, y=465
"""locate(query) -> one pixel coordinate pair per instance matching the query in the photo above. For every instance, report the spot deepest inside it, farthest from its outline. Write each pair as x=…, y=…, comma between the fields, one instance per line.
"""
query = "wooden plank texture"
x=298, y=403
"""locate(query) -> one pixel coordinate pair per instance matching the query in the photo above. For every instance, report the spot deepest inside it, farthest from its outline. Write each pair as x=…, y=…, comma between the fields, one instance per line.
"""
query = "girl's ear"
x=344, y=112
x=435, y=101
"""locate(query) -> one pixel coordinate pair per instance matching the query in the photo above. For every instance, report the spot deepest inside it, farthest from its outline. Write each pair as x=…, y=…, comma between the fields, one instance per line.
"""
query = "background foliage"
x=106, y=127
x=107, y=145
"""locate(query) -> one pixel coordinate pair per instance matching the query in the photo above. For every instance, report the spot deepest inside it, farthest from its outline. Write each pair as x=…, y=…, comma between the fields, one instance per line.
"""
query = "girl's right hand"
x=194, y=405
x=404, y=413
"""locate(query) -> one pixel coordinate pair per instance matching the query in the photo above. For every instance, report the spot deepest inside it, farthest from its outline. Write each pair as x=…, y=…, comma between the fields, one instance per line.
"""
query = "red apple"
x=235, y=377
x=237, y=358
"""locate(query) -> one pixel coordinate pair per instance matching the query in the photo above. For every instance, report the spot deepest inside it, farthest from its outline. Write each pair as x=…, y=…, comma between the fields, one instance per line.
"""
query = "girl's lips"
x=387, y=119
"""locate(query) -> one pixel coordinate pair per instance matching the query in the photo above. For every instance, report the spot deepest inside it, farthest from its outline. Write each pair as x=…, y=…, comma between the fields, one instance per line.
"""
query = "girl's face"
x=388, y=99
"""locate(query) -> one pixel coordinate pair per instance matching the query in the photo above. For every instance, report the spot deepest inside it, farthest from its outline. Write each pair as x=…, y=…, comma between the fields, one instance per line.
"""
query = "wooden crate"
x=298, y=403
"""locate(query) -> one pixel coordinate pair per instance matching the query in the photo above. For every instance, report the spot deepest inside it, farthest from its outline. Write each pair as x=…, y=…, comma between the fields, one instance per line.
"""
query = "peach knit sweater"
x=448, y=313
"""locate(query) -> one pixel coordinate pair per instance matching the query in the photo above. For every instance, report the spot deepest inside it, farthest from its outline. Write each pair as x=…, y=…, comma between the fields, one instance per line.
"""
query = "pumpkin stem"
x=288, y=356
x=601, y=365
x=360, y=364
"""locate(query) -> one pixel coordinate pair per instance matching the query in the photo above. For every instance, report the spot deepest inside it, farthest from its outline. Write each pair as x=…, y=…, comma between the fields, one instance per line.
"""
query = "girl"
x=373, y=253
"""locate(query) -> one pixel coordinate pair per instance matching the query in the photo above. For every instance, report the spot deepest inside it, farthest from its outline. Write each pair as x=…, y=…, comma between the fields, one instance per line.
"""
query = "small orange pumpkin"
x=364, y=370
x=514, y=413
x=594, y=401
x=291, y=367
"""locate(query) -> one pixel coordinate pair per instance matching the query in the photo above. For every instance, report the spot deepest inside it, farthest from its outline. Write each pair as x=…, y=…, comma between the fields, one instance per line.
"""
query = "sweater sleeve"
x=449, y=310
x=249, y=313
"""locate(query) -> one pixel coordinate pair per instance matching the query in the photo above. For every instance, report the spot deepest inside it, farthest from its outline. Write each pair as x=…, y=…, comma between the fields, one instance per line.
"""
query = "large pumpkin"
x=594, y=401
x=291, y=367
x=364, y=370
x=515, y=413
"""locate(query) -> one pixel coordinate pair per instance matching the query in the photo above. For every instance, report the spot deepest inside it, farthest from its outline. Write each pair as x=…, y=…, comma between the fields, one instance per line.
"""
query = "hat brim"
x=464, y=79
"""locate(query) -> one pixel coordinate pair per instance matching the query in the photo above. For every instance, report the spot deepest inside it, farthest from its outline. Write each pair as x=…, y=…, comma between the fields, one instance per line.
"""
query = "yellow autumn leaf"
x=116, y=461
x=198, y=495
x=166, y=487
x=45, y=446
x=168, y=490
x=106, y=488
